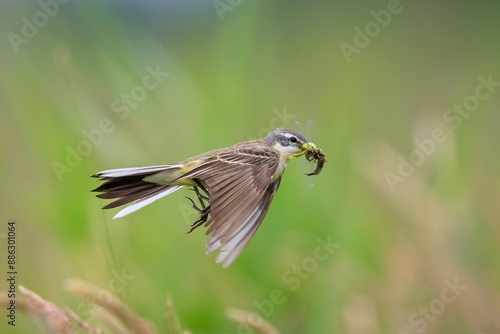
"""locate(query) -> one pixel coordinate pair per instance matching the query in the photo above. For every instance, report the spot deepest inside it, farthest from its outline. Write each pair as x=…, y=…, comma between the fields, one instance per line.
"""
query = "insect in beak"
x=316, y=155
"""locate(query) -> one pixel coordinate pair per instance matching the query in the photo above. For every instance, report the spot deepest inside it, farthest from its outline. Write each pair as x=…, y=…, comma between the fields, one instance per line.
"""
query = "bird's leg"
x=202, y=188
x=200, y=197
x=205, y=210
x=194, y=205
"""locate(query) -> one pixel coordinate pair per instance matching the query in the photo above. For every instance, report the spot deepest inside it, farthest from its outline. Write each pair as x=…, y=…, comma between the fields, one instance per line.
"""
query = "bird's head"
x=290, y=142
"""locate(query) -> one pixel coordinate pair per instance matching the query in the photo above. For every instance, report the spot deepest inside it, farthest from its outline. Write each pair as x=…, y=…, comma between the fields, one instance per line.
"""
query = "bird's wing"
x=239, y=183
x=234, y=244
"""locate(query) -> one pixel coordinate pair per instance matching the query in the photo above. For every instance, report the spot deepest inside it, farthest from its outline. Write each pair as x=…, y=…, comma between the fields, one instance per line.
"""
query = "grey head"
x=286, y=138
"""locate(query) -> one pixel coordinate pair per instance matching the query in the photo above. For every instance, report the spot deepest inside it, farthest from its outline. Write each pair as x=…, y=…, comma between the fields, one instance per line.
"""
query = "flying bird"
x=234, y=186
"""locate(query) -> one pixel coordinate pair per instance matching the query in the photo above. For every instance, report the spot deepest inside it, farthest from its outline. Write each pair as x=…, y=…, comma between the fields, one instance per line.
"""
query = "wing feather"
x=231, y=249
x=239, y=182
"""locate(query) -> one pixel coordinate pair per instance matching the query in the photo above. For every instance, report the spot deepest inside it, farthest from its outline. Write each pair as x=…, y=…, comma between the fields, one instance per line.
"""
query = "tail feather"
x=140, y=203
x=120, y=183
x=132, y=196
x=127, y=192
x=126, y=185
x=134, y=171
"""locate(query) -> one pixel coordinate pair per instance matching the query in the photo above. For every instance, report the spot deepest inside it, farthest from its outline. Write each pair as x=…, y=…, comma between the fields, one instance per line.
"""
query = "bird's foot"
x=204, y=210
x=200, y=221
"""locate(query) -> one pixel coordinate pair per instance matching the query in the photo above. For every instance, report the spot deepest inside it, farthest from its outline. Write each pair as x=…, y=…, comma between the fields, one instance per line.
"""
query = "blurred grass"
x=226, y=78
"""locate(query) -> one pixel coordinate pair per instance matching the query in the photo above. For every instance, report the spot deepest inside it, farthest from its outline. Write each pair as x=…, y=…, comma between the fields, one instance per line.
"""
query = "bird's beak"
x=305, y=147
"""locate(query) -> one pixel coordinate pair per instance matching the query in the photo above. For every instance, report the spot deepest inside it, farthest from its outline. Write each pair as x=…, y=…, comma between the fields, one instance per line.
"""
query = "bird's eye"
x=293, y=139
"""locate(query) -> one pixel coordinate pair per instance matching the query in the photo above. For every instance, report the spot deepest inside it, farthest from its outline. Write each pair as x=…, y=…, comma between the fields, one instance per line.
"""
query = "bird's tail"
x=127, y=185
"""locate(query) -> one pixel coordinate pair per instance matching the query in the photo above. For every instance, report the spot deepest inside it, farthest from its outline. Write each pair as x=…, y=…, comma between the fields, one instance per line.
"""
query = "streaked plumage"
x=241, y=181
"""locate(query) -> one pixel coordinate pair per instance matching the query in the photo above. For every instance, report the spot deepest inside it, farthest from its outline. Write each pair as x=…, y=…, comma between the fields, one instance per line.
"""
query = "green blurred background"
x=236, y=70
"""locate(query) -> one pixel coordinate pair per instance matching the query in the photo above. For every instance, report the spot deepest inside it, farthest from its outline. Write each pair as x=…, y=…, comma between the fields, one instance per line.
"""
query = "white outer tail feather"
x=134, y=170
x=140, y=203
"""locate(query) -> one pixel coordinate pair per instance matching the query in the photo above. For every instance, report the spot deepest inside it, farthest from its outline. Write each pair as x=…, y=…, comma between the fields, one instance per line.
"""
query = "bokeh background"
x=237, y=69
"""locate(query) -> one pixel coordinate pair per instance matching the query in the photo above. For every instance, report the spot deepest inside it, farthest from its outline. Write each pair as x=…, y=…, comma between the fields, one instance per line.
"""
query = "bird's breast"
x=279, y=170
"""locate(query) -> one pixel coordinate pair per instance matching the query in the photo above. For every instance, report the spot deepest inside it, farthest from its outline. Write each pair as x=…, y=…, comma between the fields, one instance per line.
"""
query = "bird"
x=234, y=185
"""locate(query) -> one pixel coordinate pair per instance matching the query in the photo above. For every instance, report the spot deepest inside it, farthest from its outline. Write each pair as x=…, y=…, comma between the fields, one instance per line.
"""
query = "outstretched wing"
x=241, y=189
